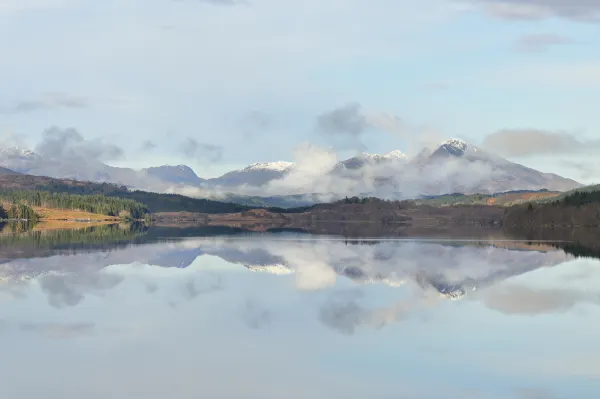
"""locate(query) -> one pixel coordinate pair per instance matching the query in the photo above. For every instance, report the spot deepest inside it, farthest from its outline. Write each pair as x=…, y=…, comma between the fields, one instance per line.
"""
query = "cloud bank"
x=69, y=143
x=530, y=142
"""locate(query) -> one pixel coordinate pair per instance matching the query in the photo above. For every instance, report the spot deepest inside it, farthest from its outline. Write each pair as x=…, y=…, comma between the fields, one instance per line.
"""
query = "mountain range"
x=454, y=166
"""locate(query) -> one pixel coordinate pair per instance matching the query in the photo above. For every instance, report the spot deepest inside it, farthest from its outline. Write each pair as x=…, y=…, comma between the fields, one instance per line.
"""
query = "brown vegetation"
x=58, y=219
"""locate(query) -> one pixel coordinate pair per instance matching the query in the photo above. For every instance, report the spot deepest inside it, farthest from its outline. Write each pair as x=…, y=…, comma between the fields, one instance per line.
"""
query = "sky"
x=219, y=84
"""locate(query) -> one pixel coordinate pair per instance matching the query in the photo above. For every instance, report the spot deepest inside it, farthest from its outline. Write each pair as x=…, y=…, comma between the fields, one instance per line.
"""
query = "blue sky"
x=247, y=81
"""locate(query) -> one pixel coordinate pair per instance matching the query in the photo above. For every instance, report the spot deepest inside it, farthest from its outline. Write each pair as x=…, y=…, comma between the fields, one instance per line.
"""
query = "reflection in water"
x=292, y=315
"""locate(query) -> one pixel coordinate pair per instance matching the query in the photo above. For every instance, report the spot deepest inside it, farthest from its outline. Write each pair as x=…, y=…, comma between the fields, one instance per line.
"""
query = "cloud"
x=387, y=123
x=10, y=139
x=203, y=152
x=576, y=10
x=69, y=143
x=192, y=289
x=346, y=315
x=517, y=299
x=350, y=122
x=50, y=102
x=148, y=145
x=530, y=142
x=346, y=120
x=70, y=290
x=540, y=42
x=256, y=316
x=59, y=330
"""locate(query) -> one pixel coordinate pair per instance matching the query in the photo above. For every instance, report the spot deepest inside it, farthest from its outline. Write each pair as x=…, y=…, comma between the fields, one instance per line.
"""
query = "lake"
x=294, y=315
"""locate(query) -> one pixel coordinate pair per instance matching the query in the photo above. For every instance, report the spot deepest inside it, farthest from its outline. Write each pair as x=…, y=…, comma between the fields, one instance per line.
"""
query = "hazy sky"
x=218, y=84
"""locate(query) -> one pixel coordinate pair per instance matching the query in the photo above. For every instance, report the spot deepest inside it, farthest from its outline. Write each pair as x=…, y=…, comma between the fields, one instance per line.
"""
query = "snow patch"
x=279, y=166
x=17, y=152
x=390, y=156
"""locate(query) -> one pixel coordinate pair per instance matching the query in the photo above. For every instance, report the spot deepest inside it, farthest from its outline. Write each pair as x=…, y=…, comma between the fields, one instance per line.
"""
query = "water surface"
x=298, y=316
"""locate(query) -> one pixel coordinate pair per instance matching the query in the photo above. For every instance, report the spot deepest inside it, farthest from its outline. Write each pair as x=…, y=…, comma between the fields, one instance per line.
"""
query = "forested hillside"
x=578, y=209
x=501, y=199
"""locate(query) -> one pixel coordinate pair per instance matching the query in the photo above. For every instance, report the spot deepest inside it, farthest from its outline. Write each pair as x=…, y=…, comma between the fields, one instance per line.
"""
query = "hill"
x=500, y=199
x=575, y=209
x=6, y=171
x=155, y=202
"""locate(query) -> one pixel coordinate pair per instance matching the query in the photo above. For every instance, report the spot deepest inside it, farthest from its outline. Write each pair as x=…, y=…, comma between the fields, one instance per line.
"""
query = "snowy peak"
x=454, y=147
x=390, y=156
x=17, y=152
x=396, y=154
x=279, y=166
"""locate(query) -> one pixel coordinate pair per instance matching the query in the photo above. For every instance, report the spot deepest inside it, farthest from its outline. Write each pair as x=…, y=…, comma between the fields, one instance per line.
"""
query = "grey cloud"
x=517, y=299
x=193, y=149
x=577, y=10
x=209, y=283
x=69, y=143
x=347, y=120
x=529, y=142
x=151, y=287
x=255, y=316
x=346, y=315
x=59, y=330
x=350, y=122
x=540, y=42
x=148, y=145
x=70, y=290
x=50, y=102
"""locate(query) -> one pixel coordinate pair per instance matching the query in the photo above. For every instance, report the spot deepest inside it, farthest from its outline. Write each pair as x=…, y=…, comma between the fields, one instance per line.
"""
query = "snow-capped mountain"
x=366, y=158
x=453, y=166
x=469, y=169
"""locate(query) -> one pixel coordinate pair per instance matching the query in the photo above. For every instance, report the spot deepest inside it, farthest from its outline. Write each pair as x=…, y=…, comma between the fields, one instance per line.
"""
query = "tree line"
x=15, y=210
x=22, y=201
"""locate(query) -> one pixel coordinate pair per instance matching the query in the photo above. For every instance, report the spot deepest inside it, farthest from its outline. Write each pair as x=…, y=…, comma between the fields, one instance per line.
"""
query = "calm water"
x=297, y=316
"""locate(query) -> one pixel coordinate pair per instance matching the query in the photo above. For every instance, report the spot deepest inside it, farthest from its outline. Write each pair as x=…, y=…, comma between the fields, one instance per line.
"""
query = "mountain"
x=79, y=168
x=5, y=171
x=454, y=166
x=468, y=169
x=256, y=174
x=180, y=174
x=365, y=158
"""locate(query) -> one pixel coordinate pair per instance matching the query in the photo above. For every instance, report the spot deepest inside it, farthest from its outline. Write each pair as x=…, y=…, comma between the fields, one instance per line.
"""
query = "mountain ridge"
x=454, y=166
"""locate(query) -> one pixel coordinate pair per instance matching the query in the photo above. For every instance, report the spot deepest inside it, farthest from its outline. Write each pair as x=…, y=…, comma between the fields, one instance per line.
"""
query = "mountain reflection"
x=445, y=269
